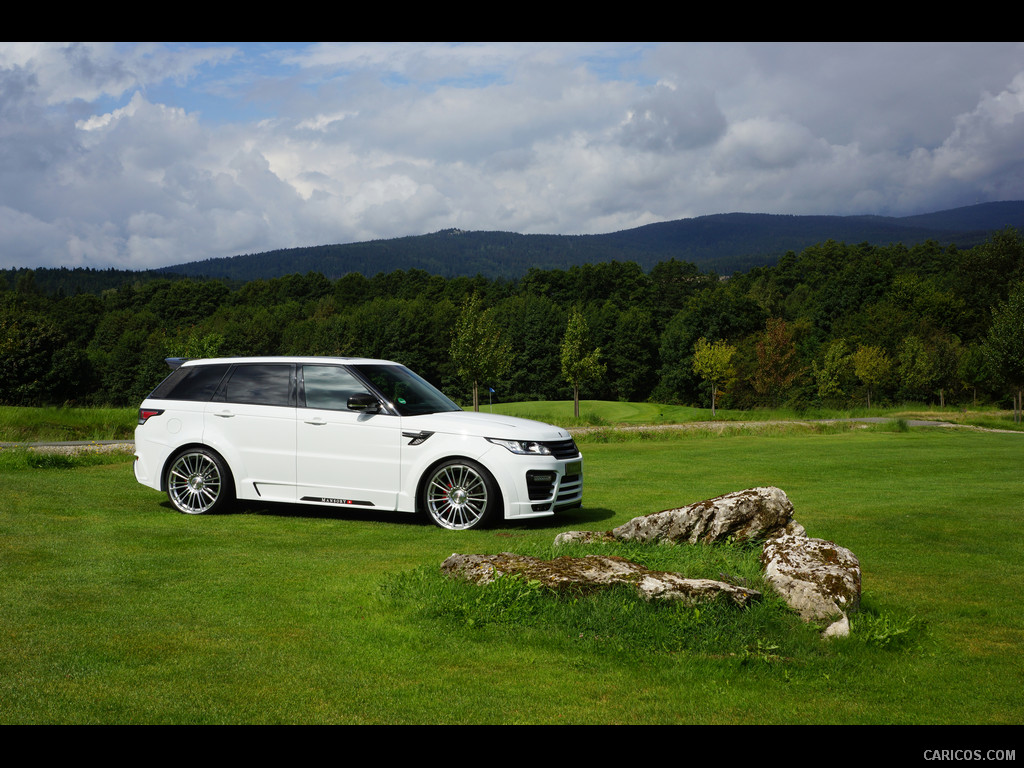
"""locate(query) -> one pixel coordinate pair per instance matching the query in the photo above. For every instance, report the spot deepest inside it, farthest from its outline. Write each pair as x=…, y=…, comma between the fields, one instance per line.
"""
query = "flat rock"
x=818, y=579
x=593, y=572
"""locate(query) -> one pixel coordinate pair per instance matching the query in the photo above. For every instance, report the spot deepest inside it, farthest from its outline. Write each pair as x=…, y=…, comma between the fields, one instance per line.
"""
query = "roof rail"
x=175, y=362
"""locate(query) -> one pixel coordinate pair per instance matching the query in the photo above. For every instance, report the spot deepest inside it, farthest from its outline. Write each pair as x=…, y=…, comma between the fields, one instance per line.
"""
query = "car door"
x=251, y=422
x=344, y=456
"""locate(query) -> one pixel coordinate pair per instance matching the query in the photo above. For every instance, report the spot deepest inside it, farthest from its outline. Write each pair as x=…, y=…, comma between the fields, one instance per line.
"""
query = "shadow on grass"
x=310, y=511
x=574, y=517
x=582, y=517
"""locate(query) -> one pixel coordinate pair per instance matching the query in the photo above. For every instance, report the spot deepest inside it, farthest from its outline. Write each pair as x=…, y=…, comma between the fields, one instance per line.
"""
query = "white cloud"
x=670, y=119
x=66, y=72
x=149, y=154
x=986, y=141
x=761, y=143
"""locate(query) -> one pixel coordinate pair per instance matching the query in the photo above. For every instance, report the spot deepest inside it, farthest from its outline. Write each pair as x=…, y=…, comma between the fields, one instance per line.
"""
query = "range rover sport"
x=345, y=432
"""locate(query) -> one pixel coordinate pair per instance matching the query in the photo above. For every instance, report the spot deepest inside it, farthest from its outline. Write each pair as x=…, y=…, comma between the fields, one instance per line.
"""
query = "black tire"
x=199, y=482
x=459, y=494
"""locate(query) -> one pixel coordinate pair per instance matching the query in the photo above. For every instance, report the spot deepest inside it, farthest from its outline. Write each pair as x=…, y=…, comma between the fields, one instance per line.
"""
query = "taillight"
x=146, y=413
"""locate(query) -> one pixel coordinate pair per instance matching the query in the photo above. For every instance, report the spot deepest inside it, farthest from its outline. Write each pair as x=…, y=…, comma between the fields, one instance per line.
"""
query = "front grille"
x=569, y=489
x=547, y=490
x=563, y=449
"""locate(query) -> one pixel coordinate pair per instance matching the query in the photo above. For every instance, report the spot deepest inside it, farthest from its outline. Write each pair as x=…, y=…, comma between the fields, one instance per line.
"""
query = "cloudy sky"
x=137, y=155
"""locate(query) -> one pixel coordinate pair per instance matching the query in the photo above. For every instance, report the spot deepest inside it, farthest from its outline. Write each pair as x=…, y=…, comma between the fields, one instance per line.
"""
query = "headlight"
x=525, y=447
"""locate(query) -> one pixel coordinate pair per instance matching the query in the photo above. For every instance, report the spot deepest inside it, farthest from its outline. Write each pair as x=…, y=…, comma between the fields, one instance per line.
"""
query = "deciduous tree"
x=834, y=372
x=479, y=353
x=916, y=370
x=1005, y=344
x=873, y=366
x=712, y=362
x=580, y=361
x=778, y=367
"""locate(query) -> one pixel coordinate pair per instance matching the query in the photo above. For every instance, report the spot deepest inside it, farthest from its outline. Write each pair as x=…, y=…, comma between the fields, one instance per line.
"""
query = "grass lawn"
x=607, y=412
x=115, y=609
x=22, y=424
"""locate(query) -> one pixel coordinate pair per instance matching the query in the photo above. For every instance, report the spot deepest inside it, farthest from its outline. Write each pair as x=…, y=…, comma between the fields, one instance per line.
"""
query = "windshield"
x=410, y=394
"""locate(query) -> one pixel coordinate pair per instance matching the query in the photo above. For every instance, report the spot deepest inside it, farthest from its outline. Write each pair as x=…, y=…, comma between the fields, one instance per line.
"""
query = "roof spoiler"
x=175, y=362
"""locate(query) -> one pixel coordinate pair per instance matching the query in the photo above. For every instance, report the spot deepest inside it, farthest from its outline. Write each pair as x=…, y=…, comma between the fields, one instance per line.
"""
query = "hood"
x=485, y=425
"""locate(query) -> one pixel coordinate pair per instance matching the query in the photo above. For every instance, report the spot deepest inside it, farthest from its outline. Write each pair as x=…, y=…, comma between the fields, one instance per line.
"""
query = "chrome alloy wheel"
x=457, y=496
x=195, y=483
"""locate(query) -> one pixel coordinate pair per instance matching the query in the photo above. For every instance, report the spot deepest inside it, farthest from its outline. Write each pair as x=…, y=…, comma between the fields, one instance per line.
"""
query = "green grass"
x=599, y=412
x=20, y=457
x=596, y=413
x=22, y=425
x=115, y=609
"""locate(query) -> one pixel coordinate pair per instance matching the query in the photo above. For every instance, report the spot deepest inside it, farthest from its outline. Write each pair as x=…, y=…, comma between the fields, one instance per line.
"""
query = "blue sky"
x=136, y=155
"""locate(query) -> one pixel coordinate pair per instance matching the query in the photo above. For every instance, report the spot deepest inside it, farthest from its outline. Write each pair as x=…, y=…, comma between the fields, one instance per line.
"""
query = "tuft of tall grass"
x=28, y=459
x=22, y=424
x=712, y=431
x=618, y=622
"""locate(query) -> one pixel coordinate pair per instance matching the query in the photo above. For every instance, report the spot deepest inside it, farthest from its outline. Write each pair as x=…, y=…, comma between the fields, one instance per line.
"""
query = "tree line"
x=835, y=324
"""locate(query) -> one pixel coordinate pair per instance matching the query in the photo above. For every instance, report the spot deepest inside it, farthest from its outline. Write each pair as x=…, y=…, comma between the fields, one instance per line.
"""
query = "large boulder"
x=594, y=572
x=818, y=579
x=751, y=515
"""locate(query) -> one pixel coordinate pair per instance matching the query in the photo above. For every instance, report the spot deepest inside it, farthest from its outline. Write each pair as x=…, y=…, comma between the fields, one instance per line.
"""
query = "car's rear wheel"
x=198, y=482
x=460, y=494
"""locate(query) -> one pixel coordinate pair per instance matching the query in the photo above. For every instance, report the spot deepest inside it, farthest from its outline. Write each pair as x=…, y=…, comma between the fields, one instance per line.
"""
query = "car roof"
x=176, y=362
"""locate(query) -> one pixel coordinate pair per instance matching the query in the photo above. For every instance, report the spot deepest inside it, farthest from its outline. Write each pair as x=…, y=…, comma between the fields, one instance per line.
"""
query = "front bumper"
x=544, y=489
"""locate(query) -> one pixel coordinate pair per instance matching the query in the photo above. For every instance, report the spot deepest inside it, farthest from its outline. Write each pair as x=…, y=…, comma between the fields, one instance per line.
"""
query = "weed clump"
x=615, y=620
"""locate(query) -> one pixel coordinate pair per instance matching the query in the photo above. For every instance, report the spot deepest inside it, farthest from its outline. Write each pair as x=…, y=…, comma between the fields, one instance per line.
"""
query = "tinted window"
x=409, y=393
x=197, y=382
x=260, y=384
x=327, y=386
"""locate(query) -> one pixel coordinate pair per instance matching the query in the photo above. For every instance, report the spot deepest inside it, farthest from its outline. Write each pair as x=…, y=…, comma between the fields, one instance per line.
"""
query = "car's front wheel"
x=199, y=482
x=460, y=494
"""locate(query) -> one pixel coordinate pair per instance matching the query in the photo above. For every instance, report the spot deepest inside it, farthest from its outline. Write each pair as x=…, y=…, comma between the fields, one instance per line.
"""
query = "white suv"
x=345, y=432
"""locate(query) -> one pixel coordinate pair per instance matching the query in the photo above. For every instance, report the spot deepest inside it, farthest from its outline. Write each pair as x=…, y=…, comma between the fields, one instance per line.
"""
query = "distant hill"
x=723, y=243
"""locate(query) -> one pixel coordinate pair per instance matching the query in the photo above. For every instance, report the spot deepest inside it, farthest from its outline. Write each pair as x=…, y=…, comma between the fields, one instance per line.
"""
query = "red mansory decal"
x=325, y=500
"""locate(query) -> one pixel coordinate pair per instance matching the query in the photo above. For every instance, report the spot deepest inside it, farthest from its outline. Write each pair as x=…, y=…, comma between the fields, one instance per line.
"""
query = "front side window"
x=329, y=387
x=410, y=394
x=259, y=384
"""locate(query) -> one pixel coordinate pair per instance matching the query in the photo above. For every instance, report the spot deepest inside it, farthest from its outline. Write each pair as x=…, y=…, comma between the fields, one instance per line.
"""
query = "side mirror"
x=363, y=402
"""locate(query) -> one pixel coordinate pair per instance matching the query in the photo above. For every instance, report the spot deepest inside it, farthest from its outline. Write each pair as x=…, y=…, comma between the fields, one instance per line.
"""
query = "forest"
x=835, y=324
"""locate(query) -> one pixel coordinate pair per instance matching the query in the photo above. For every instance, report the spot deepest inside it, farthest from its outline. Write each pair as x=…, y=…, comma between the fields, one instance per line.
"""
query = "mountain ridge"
x=723, y=243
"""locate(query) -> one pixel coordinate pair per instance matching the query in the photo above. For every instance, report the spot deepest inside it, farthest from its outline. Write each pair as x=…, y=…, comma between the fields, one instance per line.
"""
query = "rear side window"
x=197, y=382
x=259, y=384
